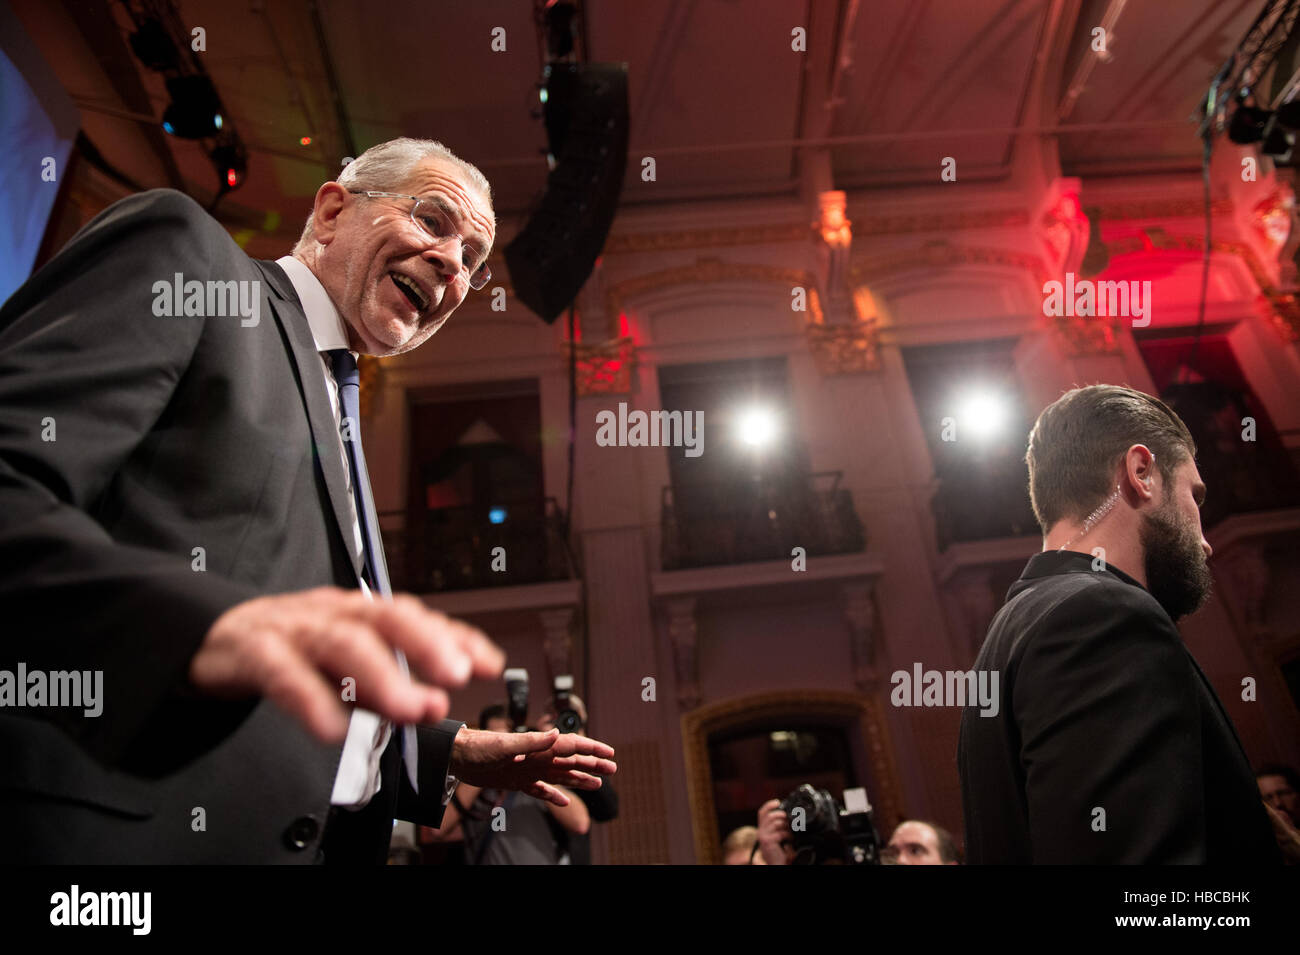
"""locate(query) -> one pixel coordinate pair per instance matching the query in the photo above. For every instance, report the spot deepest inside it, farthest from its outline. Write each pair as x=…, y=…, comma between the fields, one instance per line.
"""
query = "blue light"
x=216, y=121
x=167, y=127
x=497, y=515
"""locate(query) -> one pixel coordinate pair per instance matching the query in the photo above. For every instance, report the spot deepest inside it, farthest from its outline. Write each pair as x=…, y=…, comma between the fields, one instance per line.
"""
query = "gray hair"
x=388, y=165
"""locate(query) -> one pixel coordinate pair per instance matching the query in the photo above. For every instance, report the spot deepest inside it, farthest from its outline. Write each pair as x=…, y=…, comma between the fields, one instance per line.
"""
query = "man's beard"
x=1177, y=575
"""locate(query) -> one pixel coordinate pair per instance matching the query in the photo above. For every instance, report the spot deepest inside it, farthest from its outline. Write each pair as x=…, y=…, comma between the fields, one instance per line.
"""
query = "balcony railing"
x=756, y=519
x=455, y=548
x=983, y=500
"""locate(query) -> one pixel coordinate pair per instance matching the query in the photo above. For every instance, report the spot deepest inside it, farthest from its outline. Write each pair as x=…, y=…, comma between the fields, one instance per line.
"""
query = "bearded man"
x=1109, y=744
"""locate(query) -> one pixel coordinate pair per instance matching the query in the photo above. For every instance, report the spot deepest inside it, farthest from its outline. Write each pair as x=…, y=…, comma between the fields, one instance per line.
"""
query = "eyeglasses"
x=430, y=217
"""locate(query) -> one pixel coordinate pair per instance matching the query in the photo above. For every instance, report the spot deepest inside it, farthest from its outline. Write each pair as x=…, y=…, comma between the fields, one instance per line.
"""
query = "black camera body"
x=824, y=833
x=567, y=718
x=517, y=698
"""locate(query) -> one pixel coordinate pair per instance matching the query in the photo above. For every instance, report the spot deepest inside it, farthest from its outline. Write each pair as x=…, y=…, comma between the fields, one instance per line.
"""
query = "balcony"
x=455, y=548
x=983, y=500
x=759, y=519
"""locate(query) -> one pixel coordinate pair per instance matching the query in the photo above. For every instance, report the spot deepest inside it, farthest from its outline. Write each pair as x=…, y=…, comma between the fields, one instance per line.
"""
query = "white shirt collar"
x=327, y=328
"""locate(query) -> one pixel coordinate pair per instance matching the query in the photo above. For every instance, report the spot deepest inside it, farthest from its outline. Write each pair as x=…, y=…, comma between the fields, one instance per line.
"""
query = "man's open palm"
x=533, y=763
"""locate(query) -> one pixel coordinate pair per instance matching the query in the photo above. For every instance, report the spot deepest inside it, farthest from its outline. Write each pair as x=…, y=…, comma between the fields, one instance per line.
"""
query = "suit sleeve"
x=86, y=370
x=435, y=748
x=602, y=803
x=1107, y=714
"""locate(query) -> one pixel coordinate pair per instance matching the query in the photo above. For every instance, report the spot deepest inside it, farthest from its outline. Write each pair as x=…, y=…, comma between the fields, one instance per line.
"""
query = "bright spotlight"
x=982, y=414
x=756, y=427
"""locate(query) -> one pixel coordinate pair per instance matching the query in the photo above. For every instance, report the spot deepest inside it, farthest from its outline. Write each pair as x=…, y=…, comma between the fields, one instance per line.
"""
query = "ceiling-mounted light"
x=195, y=109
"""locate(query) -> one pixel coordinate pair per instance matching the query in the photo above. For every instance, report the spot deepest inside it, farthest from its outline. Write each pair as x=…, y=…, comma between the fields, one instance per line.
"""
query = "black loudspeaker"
x=586, y=116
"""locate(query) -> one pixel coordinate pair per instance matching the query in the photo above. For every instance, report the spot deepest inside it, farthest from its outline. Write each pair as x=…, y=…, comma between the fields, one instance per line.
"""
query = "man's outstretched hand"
x=296, y=648
x=533, y=763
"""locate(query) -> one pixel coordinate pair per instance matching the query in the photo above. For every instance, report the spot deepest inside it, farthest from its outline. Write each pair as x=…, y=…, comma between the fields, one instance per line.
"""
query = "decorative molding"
x=859, y=604
x=1190, y=207
x=775, y=233
x=940, y=253
x=683, y=633
x=702, y=272
x=1242, y=565
x=884, y=788
x=762, y=577
x=604, y=368
x=557, y=624
x=837, y=349
x=489, y=600
x=941, y=222
x=1248, y=576
x=1280, y=306
x=843, y=349
x=678, y=240
x=1082, y=335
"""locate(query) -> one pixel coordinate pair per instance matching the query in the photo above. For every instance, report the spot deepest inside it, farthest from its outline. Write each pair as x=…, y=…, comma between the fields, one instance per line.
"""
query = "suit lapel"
x=307, y=361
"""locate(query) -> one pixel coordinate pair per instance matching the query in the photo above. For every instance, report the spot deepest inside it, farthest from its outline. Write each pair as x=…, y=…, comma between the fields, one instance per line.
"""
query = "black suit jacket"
x=169, y=434
x=1101, y=707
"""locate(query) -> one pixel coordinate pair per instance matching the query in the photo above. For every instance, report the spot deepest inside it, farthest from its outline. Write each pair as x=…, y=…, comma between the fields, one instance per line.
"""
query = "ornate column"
x=976, y=605
x=1246, y=575
x=557, y=624
x=859, y=604
x=683, y=633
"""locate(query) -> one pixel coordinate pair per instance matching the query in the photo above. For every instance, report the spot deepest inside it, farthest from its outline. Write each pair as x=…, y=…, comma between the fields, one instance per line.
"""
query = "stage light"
x=231, y=161
x=154, y=48
x=756, y=427
x=304, y=141
x=195, y=109
x=982, y=414
x=560, y=17
x=1247, y=125
x=497, y=515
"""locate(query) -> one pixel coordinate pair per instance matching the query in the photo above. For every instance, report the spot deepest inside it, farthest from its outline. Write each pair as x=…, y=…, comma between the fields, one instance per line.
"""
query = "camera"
x=567, y=718
x=517, y=698
x=824, y=833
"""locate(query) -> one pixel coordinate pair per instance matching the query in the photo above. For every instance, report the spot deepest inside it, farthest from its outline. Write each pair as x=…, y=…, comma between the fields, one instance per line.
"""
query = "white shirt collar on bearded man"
x=327, y=327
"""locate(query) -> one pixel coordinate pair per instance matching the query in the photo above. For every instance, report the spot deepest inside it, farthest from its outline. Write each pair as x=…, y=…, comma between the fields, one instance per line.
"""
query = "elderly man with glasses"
x=186, y=520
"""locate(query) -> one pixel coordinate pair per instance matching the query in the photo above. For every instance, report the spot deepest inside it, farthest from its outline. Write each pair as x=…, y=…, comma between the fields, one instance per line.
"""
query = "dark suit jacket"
x=1101, y=706
x=171, y=434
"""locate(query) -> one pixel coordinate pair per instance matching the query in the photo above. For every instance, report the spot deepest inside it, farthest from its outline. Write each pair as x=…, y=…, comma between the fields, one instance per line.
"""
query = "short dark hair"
x=1079, y=439
x=947, y=845
x=497, y=711
x=1277, y=769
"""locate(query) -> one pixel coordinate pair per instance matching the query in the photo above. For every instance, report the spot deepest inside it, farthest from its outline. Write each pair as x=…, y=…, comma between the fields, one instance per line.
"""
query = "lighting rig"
x=162, y=44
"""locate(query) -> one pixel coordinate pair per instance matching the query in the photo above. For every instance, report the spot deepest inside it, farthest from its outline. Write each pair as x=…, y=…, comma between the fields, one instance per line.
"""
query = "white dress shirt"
x=358, y=776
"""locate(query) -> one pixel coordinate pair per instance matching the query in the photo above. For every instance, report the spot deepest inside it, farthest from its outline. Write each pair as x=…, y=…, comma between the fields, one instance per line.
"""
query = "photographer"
x=569, y=713
x=913, y=842
x=510, y=828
